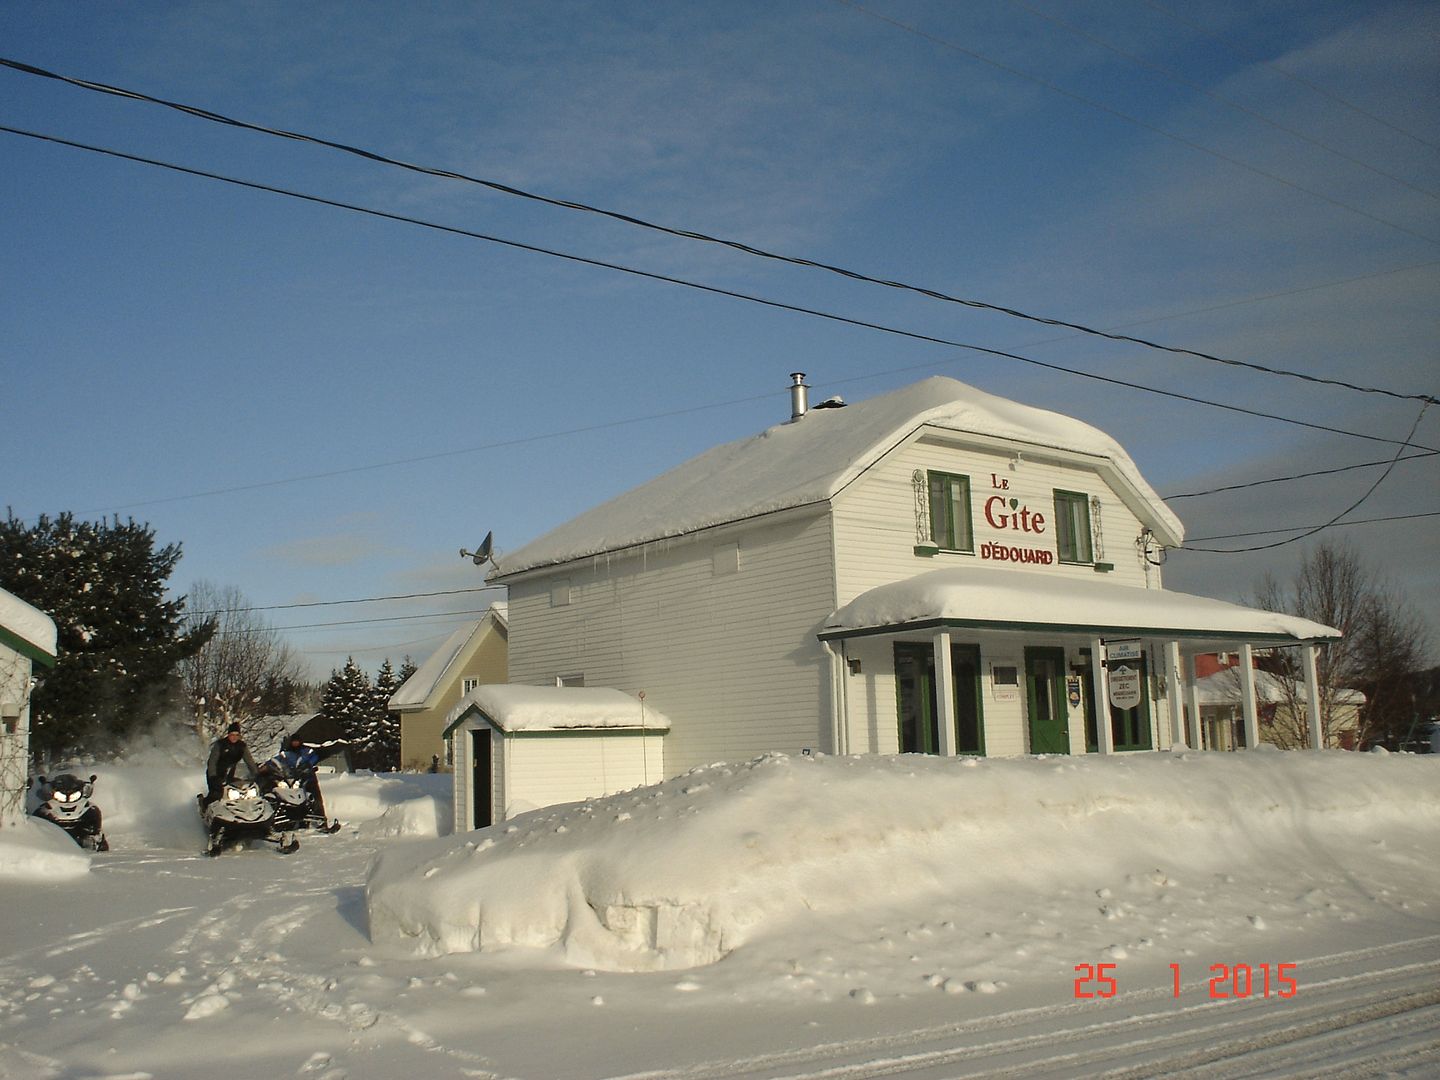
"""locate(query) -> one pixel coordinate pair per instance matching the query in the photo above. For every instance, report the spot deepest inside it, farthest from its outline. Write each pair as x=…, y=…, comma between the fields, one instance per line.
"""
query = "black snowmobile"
x=288, y=790
x=239, y=814
x=65, y=800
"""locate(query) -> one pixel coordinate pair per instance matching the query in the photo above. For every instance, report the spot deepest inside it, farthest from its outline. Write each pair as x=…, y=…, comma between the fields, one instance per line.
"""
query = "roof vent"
x=836, y=402
x=799, y=395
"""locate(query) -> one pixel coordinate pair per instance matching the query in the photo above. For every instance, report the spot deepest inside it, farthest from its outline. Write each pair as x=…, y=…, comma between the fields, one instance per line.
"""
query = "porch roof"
x=982, y=597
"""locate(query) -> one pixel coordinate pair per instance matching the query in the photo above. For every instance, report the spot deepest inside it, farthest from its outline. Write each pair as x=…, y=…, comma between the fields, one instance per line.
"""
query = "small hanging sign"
x=1124, y=686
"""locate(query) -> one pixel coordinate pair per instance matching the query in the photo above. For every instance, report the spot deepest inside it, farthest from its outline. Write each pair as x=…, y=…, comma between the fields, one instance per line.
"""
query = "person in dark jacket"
x=226, y=753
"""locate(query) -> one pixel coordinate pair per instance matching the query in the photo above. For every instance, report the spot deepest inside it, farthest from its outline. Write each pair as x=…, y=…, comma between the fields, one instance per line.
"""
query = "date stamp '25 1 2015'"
x=1227, y=981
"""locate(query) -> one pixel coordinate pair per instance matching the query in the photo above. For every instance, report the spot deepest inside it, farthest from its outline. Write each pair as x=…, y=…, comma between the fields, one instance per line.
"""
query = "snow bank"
x=40, y=851
x=682, y=873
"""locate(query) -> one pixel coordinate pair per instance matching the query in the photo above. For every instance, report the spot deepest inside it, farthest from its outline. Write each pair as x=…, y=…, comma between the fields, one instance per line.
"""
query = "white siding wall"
x=550, y=769
x=728, y=654
x=875, y=526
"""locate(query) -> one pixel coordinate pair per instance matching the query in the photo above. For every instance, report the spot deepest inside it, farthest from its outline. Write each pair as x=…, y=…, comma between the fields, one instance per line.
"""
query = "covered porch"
x=1070, y=647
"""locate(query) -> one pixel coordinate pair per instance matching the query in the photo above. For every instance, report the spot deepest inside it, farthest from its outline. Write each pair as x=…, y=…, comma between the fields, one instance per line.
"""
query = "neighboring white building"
x=933, y=570
x=27, y=637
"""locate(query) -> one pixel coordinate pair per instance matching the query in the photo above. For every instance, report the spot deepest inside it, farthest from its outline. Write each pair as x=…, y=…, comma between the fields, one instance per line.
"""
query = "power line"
x=359, y=622
x=1293, y=528
x=370, y=155
x=667, y=279
x=1037, y=80
x=1336, y=519
x=334, y=603
x=1291, y=75
x=1175, y=76
x=1294, y=476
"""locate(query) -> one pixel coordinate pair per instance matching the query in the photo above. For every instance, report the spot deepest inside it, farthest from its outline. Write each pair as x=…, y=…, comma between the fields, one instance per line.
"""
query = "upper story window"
x=950, y=512
x=1072, y=527
x=466, y=685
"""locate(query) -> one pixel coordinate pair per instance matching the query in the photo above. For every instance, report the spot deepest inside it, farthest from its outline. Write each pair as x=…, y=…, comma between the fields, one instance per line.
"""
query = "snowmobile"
x=290, y=789
x=239, y=814
x=65, y=800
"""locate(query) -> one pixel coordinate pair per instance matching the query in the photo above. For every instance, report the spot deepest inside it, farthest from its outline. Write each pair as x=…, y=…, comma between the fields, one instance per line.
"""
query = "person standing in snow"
x=226, y=753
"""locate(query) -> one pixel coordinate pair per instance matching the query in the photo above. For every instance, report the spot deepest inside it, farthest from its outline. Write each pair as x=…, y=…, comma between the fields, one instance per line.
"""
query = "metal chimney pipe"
x=799, y=395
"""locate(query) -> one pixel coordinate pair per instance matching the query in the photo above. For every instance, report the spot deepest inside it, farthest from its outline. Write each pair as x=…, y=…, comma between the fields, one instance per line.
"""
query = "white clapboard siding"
x=718, y=629
x=557, y=767
x=875, y=518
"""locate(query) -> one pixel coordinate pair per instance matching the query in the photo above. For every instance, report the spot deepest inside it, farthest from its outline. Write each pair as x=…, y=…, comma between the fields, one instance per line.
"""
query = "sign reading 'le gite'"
x=1008, y=514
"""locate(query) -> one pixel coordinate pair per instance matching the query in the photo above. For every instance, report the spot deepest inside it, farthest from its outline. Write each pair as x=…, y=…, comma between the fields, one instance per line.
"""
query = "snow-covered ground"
x=829, y=917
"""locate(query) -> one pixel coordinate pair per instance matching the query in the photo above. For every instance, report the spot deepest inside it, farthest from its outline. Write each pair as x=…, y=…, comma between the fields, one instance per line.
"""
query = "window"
x=950, y=512
x=466, y=685
x=1072, y=527
x=570, y=680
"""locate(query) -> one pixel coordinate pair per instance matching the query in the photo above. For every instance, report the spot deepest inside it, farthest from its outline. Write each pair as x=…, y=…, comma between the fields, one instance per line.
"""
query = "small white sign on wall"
x=1005, y=680
x=1124, y=686
x=1123, y=650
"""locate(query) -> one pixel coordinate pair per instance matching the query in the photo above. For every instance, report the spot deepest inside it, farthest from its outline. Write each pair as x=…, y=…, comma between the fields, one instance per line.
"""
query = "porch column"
x=1177, y=703
x=1247, y=697
x=1192, y=704
x=1104, y=734
x=945, y=694
x=1312, y=696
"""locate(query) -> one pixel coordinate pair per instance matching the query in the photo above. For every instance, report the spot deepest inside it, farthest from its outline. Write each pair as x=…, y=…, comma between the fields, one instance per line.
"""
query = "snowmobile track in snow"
x=1373, y=1022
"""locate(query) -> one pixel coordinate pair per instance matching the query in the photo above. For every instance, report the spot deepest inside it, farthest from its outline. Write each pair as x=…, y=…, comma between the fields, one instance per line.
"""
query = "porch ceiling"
x=981, y=597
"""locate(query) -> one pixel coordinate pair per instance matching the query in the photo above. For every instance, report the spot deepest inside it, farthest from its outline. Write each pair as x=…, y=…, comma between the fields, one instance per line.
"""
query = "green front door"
x=1045, y=696
x=916, y=704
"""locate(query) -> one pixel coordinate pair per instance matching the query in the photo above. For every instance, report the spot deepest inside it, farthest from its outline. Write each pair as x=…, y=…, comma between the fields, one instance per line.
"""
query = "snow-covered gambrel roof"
x=416, y=691
x=26, y=629
x=811, y=460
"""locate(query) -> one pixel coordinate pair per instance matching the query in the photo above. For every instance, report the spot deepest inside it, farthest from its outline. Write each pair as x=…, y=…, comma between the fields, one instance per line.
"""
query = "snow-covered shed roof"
x=27, y=630
x=809, y=461
x=994, y=598
x=414, y=693
x=511, y=708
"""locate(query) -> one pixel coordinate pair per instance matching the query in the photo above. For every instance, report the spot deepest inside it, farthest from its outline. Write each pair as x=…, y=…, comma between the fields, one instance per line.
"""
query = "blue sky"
x=322, y=406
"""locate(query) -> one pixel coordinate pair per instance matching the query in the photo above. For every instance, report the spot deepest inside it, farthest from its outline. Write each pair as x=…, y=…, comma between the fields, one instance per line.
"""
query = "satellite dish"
x=481, y=555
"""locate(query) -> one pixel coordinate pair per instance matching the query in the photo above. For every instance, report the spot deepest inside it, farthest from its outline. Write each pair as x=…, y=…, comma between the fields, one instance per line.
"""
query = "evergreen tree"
x=119, y=638
x=385, y=725
x=347, y=700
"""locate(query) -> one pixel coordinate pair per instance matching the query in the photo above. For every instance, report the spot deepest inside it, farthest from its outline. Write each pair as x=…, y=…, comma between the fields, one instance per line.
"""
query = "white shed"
x=517, y=748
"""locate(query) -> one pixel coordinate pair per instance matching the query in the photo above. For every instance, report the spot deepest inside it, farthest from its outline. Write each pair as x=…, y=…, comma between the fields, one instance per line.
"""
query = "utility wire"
x=1293, y=476
x=1333, y=524
x=335, y=603
x=1175, y=76
x=944, y=43
x=357, y=622
x=667, y=279
x=1336, y=98
x=736, y=245
x=1334, y=520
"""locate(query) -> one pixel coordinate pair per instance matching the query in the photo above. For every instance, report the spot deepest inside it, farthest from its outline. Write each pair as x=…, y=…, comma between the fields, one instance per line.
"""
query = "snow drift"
x=681, y=873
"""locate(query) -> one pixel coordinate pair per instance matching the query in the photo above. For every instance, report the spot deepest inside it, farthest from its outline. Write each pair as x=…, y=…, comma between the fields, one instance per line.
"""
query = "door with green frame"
x=917, y=705
x=1048, y=714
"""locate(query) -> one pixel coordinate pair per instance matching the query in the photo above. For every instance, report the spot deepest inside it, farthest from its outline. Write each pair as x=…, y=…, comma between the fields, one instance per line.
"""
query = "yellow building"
x=475, y=655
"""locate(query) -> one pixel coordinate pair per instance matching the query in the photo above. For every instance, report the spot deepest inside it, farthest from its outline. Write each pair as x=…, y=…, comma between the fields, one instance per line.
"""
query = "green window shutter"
x=950, y=525
x=1072, y=527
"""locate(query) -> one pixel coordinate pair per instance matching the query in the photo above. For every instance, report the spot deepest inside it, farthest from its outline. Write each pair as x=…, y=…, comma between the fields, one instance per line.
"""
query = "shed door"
x=1045, y=696
x=481, y=795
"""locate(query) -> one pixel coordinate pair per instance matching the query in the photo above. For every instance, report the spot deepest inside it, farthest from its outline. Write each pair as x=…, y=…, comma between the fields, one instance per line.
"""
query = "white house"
x=934, y=570
x=27, y=637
